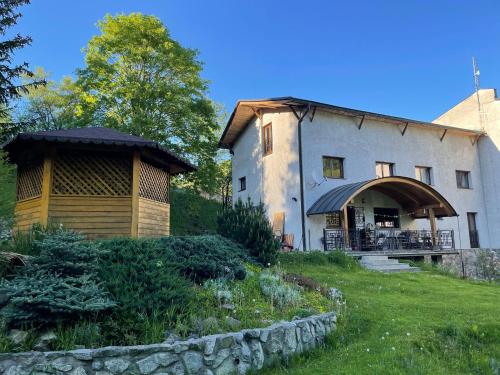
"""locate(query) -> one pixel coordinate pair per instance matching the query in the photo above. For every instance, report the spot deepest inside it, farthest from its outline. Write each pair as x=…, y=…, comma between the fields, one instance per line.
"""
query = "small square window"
x=463, y=179
x=423, y=174
x=333, y=167
x=383, y=169
x=267, y=139
x=243, y=183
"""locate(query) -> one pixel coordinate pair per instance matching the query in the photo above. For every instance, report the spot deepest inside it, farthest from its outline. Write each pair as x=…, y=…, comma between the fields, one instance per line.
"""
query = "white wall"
x=466, y=115
x=335, y=135
x=272, y=179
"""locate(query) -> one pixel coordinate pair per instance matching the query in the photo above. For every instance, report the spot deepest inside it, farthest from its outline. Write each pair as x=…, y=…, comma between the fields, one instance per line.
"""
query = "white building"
x=334, y=177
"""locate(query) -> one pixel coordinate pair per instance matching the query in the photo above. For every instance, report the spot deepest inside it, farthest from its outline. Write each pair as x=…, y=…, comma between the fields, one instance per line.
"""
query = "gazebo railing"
x=387, y=239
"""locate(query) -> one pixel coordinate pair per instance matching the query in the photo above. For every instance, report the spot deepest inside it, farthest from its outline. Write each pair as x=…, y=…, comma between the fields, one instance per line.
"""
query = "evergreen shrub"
x=59, y=284
x=137, y=274
x=200, y=258
x=249, y=226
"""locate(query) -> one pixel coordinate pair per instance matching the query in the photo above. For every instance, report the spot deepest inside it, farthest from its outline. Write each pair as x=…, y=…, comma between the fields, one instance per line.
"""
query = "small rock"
x=82, y=354
x=44, y=341
x=17, y=336
x=97, y=365
x=79, y=371
x=233, y=323
x=193, y=362
x=228, y=306
x=147, y=365
x=170, y=338
x=192, y=336
x=117, y=365
x=60, y=365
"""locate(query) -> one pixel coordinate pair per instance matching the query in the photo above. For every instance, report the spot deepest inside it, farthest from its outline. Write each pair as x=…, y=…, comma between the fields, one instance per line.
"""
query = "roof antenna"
x=477, y=87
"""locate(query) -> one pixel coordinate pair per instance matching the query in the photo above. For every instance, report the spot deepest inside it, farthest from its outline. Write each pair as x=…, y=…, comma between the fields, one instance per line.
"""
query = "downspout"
x=300, y=116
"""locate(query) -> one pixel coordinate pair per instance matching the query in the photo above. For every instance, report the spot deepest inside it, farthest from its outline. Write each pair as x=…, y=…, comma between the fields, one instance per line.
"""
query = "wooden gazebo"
x=98, y=181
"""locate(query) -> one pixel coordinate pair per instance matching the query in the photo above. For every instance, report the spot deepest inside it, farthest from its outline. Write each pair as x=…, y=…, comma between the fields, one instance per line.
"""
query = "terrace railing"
x=387, y=239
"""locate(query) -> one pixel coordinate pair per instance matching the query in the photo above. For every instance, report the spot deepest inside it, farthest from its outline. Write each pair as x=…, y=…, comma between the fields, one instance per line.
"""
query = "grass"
x=406, y=323
x=192, y=214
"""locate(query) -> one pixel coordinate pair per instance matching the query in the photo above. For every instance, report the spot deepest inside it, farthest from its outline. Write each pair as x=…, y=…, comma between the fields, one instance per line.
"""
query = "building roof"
x=100, y=136
x=245, y=110
x=411, y=194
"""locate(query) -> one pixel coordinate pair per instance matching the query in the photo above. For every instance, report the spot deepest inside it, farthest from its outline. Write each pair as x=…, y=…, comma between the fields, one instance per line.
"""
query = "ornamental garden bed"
x=72, y=294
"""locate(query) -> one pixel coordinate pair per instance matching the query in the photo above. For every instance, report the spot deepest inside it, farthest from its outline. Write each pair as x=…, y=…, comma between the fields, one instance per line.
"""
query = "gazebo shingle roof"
x=99, y=136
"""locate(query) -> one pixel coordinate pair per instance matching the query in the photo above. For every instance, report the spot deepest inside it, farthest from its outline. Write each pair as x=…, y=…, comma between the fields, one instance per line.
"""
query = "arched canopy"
x=411, y=194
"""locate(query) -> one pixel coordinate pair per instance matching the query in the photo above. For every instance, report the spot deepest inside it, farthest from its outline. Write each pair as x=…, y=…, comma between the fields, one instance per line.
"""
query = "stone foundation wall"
x=477, y=263
x=228, y=353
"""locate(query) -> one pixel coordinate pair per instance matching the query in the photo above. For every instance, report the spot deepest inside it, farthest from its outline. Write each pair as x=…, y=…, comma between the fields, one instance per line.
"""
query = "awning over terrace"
x=413, y=195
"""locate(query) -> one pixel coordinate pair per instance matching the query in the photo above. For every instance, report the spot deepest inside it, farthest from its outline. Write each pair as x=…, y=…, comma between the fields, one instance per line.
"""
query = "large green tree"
x=139, y=80
x=51, y=106
x=10, y=86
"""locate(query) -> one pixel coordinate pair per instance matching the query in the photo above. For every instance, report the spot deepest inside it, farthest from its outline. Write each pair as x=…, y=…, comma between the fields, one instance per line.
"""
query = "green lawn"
x=407, y=323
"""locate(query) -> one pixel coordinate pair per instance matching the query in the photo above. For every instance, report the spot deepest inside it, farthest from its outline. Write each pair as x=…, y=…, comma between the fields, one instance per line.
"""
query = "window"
x=473, y=236
x=463, y=179
x=243, y=183
x=383, y=169
x=423, y=174
x=333, y=220
x=333, y=167
x=386, y=217
x=267, y=139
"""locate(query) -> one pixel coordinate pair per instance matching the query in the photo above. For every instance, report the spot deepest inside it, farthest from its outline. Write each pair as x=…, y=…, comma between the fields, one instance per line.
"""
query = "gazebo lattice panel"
x=75, y=174
x=154, y=183
x=29, y=181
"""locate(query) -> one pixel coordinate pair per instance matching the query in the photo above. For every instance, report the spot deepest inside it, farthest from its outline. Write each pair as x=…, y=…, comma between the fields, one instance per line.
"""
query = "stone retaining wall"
x=227, y=353
x=481, y=264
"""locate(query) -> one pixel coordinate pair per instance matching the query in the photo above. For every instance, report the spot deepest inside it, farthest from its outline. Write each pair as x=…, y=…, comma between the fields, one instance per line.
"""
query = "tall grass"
x=337, y=257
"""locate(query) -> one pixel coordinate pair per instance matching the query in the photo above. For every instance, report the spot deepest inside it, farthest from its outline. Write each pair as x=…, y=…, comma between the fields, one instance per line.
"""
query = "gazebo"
x=97, y=181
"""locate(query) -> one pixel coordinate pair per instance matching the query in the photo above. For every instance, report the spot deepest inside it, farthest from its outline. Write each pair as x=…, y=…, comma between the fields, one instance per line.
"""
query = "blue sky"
x=409, y=58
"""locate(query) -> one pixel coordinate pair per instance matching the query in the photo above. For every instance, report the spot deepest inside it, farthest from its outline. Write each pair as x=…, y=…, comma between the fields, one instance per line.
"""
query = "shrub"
x=205, y=257
x=138, y=276
x=58, y=284
x=249, y=226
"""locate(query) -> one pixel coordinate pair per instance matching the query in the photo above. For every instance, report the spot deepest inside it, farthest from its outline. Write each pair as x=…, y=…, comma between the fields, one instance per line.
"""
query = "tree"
x=10, y=89
x=51, y=106
x=139, y=80
x=224, y=182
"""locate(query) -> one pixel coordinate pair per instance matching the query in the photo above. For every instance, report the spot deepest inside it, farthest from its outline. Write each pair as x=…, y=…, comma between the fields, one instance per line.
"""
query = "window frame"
x=267, y=144
x=468, y=175
x=391, y=168
x=396, y=221
x=342, y=170
x=428, y=173
x=242, y=183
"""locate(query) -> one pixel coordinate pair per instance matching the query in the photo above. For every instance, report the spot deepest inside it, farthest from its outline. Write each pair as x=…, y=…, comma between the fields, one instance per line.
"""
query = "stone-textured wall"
x=228, y=353
x=477, y=263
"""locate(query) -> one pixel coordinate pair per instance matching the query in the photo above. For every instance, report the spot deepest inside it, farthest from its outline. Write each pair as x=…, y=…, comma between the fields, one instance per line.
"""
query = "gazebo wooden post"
x=432, y=219
x=136, y=169
x=46, y=187
x=346, y=228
